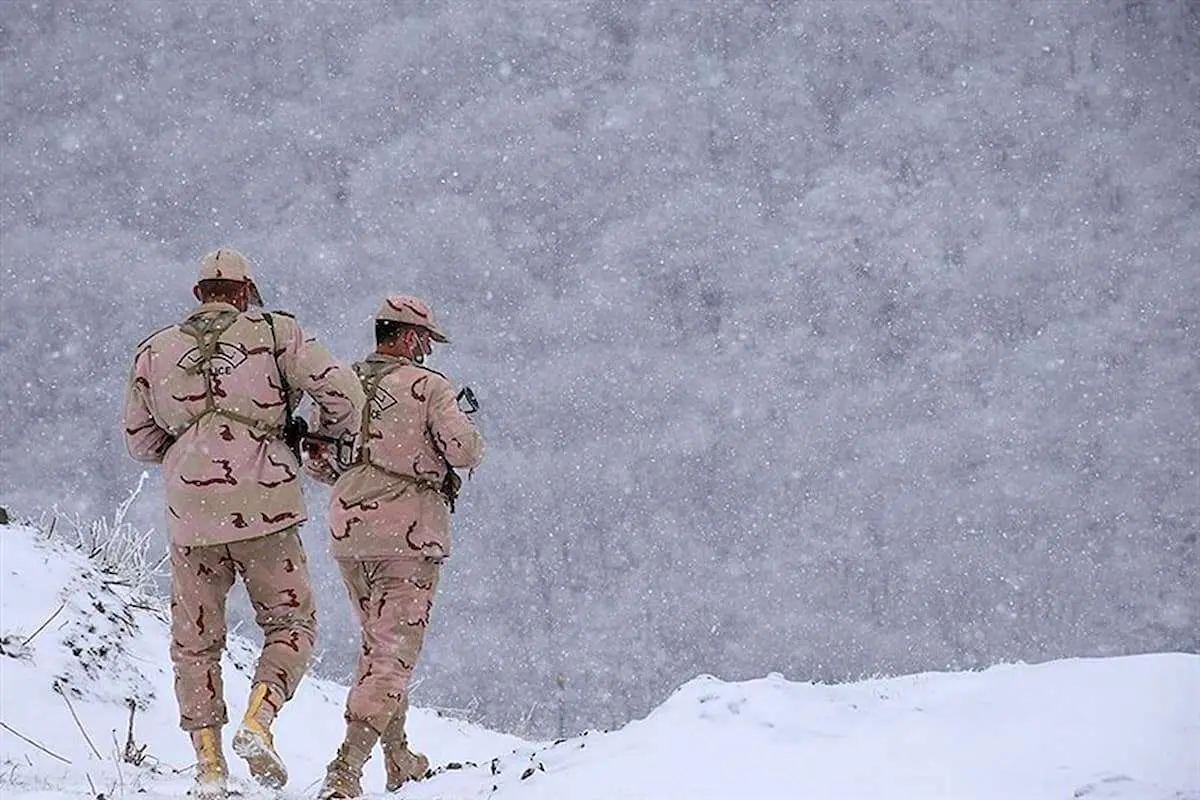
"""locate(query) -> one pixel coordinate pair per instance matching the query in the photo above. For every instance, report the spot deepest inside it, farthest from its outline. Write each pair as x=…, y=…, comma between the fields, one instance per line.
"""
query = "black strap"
x=294, y=428
x=287, y=395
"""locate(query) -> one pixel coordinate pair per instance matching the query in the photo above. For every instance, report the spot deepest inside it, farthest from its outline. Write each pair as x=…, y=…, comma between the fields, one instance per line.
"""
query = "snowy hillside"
x=76, y=646
x=104, y=647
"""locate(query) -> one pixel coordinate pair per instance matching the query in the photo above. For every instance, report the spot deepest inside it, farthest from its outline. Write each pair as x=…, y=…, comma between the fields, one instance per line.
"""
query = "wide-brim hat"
x=411, y=311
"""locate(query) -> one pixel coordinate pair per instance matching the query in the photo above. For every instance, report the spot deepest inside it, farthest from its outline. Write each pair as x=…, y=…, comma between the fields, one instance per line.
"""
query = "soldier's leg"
x=393, y=600
x=200, y=581
x=357, y=577
x=394, y=610
x=275, y=571
x=343, y=775
x=402, y=762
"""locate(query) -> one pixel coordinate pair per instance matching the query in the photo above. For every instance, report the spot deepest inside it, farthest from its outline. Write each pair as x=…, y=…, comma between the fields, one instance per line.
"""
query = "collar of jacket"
x=215, y=305
x=382, y=358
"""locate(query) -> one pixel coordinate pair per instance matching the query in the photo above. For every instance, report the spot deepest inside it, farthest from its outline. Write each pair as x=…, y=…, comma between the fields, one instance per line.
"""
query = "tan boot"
x=253, y=741
x=343, y=776
x=402, y=764
x=211, y=772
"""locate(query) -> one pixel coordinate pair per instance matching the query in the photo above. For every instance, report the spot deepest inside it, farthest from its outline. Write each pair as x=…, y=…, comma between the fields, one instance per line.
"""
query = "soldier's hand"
x=317, y=463
x=317, y=451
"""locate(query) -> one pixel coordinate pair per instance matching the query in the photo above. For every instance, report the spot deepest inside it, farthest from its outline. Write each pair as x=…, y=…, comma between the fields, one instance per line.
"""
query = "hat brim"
x=438, y=336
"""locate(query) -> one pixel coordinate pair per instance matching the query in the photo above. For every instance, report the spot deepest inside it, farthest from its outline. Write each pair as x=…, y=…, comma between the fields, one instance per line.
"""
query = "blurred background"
x=825, y=338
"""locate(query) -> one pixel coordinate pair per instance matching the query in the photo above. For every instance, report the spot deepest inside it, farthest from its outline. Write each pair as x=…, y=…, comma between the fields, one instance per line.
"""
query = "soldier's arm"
x=144, y=439
x=452, y=430
x=333, y=386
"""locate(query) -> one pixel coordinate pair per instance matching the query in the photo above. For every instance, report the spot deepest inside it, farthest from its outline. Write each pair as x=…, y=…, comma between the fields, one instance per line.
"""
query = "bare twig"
x=71, y=708
x=118, y=789
x=42, y=627
x=25, y=738
x=120, y=552
x=143, y=607
x=132, y=710
x=133, y=754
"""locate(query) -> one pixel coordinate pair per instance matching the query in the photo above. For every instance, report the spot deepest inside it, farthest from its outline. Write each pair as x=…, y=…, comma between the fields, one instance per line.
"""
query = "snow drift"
x=88, y=711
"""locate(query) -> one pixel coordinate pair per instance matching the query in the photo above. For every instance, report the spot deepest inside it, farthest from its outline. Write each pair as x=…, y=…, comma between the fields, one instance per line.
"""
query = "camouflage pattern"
x=390, y=531
x=411, y=311
x=205, y=399
x=393, y=599
x=275, y=571
x=225, y=264
x=229, y=265
x=390, y=505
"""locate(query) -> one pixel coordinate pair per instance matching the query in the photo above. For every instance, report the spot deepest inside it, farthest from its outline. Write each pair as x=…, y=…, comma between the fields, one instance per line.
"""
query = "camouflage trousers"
x=393, y=599
x=275, y=572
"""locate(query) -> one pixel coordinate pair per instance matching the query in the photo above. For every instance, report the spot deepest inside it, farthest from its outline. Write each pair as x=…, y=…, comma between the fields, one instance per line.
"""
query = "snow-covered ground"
x=76, y=646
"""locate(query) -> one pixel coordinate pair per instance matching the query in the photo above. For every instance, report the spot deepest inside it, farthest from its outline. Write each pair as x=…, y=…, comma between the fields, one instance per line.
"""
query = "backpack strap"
x=283, y=383
x=206, y=331
x=294, y=428
x=371, y=378
x=370, y=382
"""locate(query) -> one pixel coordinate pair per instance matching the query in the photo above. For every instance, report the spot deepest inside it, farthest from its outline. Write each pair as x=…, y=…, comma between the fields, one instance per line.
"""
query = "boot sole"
x=265, y=765
x=328, y=792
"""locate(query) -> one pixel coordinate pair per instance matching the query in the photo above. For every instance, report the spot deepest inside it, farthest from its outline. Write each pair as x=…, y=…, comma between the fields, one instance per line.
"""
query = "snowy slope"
x=1108, y=728
x=1099, y=729
x=104, y=647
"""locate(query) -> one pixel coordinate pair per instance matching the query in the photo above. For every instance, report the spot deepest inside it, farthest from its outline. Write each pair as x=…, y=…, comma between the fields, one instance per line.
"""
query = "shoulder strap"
x=207, y=331
x=371, y=378
x=370, y=383
x=287, y=393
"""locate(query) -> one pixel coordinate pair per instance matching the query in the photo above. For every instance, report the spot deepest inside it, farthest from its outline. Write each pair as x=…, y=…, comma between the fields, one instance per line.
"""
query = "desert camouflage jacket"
x=390, y=504
x=205, y=399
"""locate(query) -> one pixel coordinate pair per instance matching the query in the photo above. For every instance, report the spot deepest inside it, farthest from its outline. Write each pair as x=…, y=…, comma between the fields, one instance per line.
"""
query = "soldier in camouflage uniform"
x=390, y=531
x=206, y=399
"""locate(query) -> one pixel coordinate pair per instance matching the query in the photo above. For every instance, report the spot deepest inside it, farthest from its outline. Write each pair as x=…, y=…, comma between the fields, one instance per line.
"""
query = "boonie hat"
x=409, y=310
